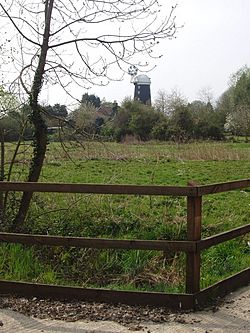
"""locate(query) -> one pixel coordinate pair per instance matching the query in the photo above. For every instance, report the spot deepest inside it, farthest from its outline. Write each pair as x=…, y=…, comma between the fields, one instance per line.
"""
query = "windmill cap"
x=142, y=79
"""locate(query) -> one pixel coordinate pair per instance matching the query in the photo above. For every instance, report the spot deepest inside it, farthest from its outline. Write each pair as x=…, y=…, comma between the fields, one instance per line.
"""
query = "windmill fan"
x=132, y=71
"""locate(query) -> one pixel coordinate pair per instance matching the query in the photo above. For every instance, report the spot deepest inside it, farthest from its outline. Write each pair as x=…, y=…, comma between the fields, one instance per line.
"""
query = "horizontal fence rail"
x=206, y=243
x=193, y=298
x=98, y=188
x=197, y=190
x=223, y=187
x=177, y=301
x=98, y=243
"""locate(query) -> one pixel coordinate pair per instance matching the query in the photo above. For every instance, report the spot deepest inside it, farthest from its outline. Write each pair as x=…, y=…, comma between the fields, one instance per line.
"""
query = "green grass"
x=19, y=263
x=131, y=217
x=223, y=260
x=146, y=172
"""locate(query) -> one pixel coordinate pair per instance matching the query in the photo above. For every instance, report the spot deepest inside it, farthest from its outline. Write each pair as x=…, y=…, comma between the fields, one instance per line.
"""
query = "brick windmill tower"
x=142, y=86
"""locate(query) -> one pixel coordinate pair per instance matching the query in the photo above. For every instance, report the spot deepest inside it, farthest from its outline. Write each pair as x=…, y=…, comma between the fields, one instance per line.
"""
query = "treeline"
x=197, y=120
x=185, y=121
x=170, y=117
x=15, y=124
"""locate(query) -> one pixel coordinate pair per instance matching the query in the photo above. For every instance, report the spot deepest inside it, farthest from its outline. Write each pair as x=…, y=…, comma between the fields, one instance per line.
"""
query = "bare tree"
x=167, y=103
x=205, y=95
x=68, y=42
x=161, y=101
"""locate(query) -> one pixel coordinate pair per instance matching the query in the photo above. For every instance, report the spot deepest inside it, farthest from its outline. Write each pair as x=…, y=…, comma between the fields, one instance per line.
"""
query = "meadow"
x=131, y=217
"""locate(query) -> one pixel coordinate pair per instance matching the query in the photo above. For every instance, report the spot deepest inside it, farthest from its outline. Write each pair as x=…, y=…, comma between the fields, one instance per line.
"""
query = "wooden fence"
x=192, y=246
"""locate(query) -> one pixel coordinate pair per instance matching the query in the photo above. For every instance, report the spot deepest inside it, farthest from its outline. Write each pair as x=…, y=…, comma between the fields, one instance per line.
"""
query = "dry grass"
x=197, y=151
x=157, y=151
x=211, y=152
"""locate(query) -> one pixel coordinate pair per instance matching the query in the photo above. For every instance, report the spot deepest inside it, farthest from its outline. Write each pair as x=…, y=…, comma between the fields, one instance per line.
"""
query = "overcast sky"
x=213, y=44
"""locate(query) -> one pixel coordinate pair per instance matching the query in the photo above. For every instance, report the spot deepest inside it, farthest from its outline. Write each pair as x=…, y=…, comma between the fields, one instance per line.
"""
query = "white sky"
x=213, y=44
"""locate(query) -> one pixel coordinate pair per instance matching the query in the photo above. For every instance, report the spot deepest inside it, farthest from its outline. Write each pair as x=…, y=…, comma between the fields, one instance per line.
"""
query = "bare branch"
x=17, y=28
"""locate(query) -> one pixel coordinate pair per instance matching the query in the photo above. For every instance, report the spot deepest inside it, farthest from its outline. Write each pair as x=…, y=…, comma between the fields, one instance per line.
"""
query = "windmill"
x=142, y=85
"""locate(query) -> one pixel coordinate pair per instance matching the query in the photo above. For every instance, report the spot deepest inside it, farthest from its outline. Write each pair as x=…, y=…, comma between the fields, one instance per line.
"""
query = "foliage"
x=167, y=103
x=56, y=114
x=88, y=121
x=91, y=99
x=222, y=260
x=83, y=119
x=10, y=116
x=224, y=106
x=15, y=125
x=171, y=118
x=185, y=121
x=206, y=121
x=8, y=102
x=19, y=263
x=238, y=119
x=160, y=130
x=135, y=119
x=181, y=124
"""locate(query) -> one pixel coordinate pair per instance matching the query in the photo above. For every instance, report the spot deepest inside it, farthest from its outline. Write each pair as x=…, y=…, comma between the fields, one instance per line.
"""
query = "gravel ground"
x=232, y=314
x=74, y=311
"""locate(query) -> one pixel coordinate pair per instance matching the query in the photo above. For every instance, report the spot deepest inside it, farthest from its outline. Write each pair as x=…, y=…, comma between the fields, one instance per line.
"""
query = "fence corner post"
x=194, y=217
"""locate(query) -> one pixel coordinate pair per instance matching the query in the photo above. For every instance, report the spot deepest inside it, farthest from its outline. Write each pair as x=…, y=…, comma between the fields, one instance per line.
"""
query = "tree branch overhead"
x=69, y=43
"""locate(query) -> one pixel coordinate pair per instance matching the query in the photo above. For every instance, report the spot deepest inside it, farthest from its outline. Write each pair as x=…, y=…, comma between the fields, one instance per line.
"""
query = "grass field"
x=142, y=217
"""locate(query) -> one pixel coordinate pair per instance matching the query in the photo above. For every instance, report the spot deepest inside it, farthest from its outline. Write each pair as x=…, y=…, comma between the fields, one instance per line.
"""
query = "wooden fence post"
x=194, y=212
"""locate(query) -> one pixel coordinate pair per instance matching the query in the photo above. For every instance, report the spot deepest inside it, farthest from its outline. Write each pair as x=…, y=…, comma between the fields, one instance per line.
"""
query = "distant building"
x=142, y=89
x=53, y=129
x=107, y=111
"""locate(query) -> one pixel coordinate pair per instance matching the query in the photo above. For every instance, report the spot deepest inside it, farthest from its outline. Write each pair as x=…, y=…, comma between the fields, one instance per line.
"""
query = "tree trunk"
x=40, y=134
x=40, y=146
